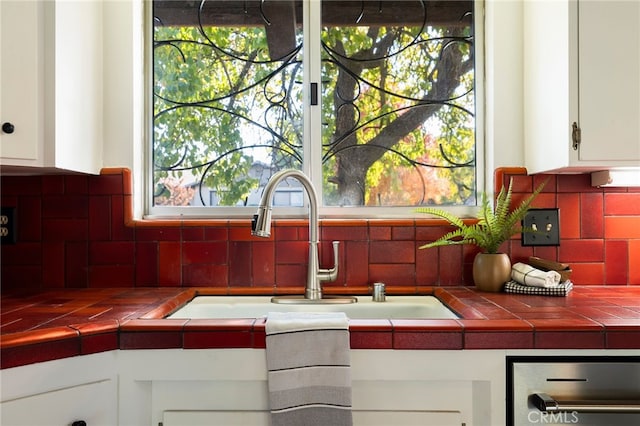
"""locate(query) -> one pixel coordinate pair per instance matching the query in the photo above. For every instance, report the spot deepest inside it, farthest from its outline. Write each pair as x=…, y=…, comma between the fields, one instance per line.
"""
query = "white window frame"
x=312, y=167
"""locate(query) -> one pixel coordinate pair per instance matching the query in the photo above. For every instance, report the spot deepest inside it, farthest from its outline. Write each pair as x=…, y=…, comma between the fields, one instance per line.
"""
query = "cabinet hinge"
x=576, y=136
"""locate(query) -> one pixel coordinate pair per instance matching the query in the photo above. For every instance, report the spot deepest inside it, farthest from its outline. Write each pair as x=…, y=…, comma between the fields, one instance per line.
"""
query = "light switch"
x=544, y=226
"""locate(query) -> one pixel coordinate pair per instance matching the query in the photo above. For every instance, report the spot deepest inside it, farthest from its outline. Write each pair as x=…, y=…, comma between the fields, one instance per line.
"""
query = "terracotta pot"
x=491, y=271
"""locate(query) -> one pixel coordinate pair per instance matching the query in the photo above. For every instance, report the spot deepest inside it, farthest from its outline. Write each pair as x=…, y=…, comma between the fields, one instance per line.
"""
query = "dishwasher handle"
x=547, y=403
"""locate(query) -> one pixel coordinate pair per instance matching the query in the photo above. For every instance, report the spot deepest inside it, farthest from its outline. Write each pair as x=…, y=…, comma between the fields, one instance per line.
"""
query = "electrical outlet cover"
x=546, y=226
x=8, y=225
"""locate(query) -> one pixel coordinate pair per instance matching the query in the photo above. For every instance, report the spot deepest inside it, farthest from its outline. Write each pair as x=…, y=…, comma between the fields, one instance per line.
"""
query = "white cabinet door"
x=94, y=403
x=609, y=80
x=581, y=65
x=375, y=402
x=60, y=392
x=389, y=387
x=21, y=72
x=51, y=70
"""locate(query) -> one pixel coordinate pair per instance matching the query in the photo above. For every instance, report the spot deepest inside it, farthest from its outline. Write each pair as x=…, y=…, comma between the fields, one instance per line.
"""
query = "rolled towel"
x=528, y=275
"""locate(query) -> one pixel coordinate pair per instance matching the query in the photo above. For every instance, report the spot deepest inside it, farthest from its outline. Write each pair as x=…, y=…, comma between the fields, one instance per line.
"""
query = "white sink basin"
x=409, y=307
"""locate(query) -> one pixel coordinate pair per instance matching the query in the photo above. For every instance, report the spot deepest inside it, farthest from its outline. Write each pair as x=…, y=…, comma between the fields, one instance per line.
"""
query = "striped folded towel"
x=561, y=289
x=309, y=368
x=528, y=275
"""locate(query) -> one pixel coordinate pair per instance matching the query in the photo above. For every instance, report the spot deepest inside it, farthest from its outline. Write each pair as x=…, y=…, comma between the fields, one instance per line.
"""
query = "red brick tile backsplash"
x=76, y=231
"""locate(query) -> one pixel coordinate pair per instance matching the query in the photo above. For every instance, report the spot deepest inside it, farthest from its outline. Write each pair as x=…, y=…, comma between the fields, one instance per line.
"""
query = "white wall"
x=124, y=82
x=124, y=90
x=503, y=84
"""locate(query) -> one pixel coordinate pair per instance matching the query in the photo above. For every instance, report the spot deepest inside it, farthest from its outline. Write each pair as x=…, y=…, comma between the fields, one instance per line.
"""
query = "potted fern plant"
x=493, y=227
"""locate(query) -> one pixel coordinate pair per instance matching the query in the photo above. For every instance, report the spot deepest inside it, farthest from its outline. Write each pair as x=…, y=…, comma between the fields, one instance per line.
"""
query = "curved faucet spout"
x=261, y=227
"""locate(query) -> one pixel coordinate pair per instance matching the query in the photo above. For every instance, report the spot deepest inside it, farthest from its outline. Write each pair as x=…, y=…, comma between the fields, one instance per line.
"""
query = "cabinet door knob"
x=8, y=127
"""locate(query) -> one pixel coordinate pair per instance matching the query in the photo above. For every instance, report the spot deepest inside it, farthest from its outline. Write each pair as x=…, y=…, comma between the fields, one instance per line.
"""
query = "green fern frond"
x=494, y=226
x=503, y=202
x=454, y=237
x=518, y=213
x=449, y=217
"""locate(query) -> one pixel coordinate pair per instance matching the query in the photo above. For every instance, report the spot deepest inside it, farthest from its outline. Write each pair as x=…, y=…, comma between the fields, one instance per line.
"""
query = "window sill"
x=335, y=216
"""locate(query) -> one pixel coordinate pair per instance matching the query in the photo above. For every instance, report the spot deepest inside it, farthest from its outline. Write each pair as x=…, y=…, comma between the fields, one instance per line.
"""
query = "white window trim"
x=501, y=82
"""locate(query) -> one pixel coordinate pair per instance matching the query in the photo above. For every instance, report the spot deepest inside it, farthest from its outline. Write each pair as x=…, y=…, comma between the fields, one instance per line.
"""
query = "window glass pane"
x=227, y=99
x=398, y=103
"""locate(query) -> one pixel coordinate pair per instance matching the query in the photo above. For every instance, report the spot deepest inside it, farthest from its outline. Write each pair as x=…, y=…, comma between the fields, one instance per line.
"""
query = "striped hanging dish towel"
x=309, y=368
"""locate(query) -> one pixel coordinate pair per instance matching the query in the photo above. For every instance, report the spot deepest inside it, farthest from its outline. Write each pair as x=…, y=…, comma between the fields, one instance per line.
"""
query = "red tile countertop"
x=55, y=324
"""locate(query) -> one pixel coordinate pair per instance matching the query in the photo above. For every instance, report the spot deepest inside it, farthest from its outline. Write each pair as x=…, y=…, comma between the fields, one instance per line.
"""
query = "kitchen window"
x=374, y=100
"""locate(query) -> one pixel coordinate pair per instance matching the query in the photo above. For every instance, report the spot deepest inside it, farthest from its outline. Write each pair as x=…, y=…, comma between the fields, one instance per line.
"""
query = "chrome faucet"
x=261, y=227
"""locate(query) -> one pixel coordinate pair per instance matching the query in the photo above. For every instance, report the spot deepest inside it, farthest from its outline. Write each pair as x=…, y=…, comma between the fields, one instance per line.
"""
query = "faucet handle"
x=336, y=252
x=332, y=273
x=261, y=222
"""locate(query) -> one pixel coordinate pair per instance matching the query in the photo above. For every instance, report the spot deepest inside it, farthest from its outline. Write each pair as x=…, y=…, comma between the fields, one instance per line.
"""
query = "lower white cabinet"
x=389, y=387
x=172, y=387
x=61, y=392
x=87, y=402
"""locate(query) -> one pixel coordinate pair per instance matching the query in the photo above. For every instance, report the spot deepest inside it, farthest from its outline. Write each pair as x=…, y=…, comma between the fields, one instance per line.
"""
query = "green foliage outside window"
x=398, y=112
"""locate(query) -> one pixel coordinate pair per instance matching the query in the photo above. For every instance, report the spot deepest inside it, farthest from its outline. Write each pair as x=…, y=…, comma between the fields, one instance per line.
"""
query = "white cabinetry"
x=61, y=392
x=582, y=66
x=389, y=387
x=229, y=386
x=21, y=78
x=51, y=74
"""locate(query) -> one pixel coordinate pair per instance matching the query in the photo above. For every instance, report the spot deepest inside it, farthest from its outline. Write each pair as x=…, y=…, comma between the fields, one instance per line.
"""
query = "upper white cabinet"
x=21, y=78
x=51, y=74
x=582, y=66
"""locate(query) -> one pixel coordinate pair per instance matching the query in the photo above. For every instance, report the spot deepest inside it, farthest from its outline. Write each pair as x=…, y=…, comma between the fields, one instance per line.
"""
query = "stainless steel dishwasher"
x=602, y=391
